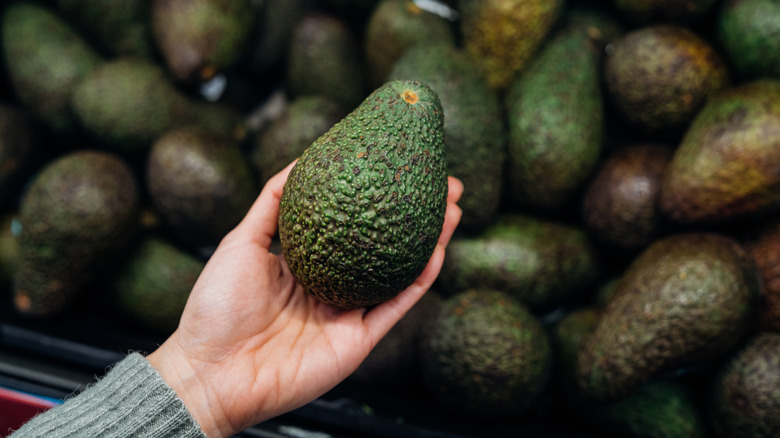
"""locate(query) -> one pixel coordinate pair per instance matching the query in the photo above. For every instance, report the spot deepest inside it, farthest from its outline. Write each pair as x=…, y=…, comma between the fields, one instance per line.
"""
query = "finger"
x=455, y=189
x=451, y=220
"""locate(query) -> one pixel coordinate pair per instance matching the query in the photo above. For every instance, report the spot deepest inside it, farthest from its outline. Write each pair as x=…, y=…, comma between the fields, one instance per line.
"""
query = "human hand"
x=252, y=344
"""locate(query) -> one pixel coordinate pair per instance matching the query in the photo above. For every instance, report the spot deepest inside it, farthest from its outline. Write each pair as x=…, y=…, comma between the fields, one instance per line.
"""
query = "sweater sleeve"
x=130, y=400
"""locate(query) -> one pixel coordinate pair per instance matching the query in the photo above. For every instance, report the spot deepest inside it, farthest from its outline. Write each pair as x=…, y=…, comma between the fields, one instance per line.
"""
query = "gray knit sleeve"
x=131, y=400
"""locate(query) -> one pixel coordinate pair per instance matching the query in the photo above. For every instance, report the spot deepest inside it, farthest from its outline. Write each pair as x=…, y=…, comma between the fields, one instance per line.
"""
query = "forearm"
x=131, y=400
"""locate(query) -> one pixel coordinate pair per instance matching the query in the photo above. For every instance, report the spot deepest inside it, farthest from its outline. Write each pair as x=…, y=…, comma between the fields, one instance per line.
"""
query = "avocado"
x=539, y=262
x=686, y=299
x=394, y=27
x=745, y=399
x=762, y=242
x=200, y=184
x=658, y=78
x=502, y=36
x=200, y=38
x=620, y=204
x=116, y=27
x=17, y=150
x=77, y=216
x=555, y=114
x=363, y=208
x=152, y=284
x=643, y=12
x=45, y=58
x=325, y=59
x=748, y=31
x=302, y=121
x=726, y=166
x=486, y=356
x=474, y=131
x=126, y=103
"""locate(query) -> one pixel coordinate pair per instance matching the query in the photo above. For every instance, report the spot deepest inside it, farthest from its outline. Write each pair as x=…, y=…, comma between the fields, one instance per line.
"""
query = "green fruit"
x=749, y=31
x=127, y=103
x=200, y=184
x=303, y=121
x=17, y=148
x=325, y=59
x=659, y=77
x=502, y=36
x=746, y=391
x=77, y=216
x=200, y=38
x=152, y=285
x=538, y=262
x=394, y=27
x=555, y=116
x=686, y=299
x=486, y=356
x=726, y=166
x=45, y=59
x=473, y=126
x=270, y=39
x=363, y=208
x=656, y=11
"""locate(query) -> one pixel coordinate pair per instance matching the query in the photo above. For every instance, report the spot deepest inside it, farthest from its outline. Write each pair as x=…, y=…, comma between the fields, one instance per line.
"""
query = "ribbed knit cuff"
x=131, y=400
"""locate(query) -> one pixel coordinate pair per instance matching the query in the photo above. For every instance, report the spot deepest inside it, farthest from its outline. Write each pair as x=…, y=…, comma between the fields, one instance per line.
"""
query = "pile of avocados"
x=617, y=264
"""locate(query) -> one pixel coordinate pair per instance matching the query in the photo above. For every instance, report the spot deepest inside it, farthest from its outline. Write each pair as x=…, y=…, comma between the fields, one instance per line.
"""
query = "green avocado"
x=363, y=208
x=749, y=31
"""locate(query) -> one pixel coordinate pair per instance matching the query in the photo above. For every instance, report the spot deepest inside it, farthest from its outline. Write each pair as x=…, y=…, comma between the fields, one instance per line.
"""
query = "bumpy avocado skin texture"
x=502, y=36
x=325, y=59
x=659, y=77
x=726, y=166
x=152, y=285
x=745, y=398
x=555, y=115
x=486, y=355
x=45, y=59
x=687, y=298
x=473, y=126
x=363, y=208
x=200, y=184
x=538, y=262
x=286, y=138
x=749, y=31
x=77, y=216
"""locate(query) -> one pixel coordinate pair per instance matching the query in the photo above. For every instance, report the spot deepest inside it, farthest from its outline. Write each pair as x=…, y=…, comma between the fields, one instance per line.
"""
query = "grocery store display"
x=363, y=208
x=474, y=133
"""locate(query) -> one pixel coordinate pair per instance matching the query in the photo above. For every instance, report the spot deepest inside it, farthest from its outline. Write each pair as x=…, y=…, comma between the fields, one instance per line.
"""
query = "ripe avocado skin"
x=686, y=299
x=363, y=208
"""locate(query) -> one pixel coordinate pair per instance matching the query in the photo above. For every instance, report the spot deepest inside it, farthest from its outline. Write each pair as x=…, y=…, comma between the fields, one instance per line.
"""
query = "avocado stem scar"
x=410, y=96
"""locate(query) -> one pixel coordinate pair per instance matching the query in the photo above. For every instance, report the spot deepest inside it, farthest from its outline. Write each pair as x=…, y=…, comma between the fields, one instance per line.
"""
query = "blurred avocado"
x=77, y=216
x=539, y=262
x=474, y=133
x=556, y=122
x=394, y=27
x=620, y=204
x=17, y=150
x=599, y=23
x=486, y=356
x=45, y=58
x=658, y=78
x=763, y=243
x=9, y=249
x=644, y=12
x=126, y=103
x=727, y=165
x=686, y=299
x=200, y=184
x=303, y=121
x=270, y=38
x=153, y=283
x=503, y=35
x=200, y=38
x=116, y=27
x=749, y=31
x=325, y=59
x=745, y=399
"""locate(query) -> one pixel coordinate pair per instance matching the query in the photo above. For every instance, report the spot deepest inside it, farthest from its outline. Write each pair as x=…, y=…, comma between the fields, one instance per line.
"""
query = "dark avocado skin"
x=363, y=207
x=474, y=130
x=644, y=12
x=538, y=262
x=686, y=299
x=77, y=216
x=748, y=31
x=486, y=356
x=745, y=399
x=726, y=166
x=763, y=243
